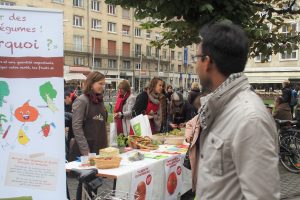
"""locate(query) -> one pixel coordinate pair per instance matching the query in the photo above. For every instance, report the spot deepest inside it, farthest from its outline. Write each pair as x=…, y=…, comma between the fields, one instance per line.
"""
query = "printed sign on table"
x=142, y=183
x=32, y=138
x=173, y=178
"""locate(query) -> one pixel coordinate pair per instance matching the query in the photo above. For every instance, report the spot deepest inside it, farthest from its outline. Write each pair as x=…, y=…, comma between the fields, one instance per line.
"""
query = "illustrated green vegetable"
x=4, y=91
x=47, y=90
x=48, y=93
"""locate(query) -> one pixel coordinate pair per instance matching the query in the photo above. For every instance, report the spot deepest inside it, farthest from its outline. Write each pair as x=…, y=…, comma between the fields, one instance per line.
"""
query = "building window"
x=137, y=65
x=179, y=55
x=148, y=34
x=77, y=43
x=79, y=61
x=137, y=32
x=95, y=5
x=7, y=3
x=112, y=47
x=172, y=67
x=164, y=54
x=58, y=1
x=148, y=51
x=96, y=24
x=125, y=30
x=289, y=56
x=126, y=64
x=262, y=57
x=172, y=55
x=111, y=27
x=97, y=63
x=111, y=9
x=137, y=49
x=290, y=30
x=112, y=63
x=179, y=68
x=126, y=13
x=78, y=3
x=77, y=21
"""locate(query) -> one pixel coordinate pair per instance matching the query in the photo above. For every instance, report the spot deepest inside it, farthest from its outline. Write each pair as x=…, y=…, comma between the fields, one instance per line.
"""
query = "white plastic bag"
x=141, y=125
x=113, y=134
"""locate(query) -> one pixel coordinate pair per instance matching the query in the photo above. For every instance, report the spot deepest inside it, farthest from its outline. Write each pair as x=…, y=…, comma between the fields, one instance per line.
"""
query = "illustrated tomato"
x=140, y=193
x=46, y=130
x=172, y=183
x=26, y=113
x=178, y=170
x=148, y=179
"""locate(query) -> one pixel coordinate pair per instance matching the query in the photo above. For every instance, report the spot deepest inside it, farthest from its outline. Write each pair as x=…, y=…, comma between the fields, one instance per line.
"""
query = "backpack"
x=294, y=98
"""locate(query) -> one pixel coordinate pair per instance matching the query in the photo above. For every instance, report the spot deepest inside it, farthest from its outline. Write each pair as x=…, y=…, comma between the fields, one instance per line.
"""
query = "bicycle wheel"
x=290, y=153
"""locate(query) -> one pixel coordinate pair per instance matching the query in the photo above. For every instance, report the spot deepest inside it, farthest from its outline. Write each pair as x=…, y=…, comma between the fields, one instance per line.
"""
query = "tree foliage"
x=261, y=19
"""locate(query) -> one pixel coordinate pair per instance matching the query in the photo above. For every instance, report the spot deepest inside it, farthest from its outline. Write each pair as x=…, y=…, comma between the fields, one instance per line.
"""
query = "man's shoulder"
x=248, y=104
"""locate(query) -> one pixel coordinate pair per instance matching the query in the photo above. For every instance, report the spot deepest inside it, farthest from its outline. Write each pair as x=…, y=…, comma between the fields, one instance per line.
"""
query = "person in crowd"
x=282, y=110
x=169, y=92
x=181, y=111
x=147, y=103
x=286, y=92
x=123, y=108
x=89, y=116
x=237, y=149
x=69, y=98
x=194, y=97
x=163, y=110
x=294, y=100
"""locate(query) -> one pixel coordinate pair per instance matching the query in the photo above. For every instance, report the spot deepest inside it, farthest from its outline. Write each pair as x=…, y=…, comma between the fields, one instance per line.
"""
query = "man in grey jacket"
x=238, y=154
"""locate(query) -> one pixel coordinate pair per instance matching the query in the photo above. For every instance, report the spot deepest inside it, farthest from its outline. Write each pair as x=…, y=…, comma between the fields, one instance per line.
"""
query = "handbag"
x=186, y=161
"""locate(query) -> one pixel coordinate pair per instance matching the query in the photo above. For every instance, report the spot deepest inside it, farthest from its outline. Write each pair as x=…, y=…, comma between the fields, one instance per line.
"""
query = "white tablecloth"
x=124, y=174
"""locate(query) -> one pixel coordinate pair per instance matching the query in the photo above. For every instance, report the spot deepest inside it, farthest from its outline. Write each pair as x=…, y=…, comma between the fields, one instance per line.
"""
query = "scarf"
x=154, y=98
x=121, y=99
x=204, y=107
x=95, y=98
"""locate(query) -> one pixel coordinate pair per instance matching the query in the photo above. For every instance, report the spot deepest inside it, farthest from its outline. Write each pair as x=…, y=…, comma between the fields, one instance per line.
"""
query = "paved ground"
x=290, y=186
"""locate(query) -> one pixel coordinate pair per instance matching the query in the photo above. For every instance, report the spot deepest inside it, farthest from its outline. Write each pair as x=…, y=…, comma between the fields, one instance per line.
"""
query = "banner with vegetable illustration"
x=142, y=183
x=32, y=136
x=173, y=178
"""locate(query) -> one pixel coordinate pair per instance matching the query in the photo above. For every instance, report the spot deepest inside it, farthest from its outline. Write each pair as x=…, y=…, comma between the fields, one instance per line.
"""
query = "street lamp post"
x=140, y=72
x=93, y=66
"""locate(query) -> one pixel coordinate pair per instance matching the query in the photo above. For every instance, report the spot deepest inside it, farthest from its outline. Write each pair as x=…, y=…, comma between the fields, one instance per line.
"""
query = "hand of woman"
x=150, y=116
x=174, y=126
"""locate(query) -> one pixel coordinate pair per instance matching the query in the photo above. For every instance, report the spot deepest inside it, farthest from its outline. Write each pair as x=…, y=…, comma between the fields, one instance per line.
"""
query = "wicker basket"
x=108, y=163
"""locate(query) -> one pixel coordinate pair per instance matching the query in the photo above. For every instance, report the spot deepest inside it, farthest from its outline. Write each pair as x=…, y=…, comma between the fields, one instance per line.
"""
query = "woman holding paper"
x=147, y=103
x=123, y=108
x=89, y=117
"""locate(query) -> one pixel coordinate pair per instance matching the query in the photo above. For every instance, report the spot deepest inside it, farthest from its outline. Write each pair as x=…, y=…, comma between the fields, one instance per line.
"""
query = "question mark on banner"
x=49, y=43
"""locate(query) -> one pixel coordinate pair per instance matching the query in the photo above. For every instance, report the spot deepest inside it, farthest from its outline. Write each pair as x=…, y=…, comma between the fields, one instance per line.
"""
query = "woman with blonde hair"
x=148, y=103
x=123, y=108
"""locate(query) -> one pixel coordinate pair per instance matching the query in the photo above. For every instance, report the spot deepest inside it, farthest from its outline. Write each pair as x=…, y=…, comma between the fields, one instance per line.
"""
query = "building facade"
x=108, y=38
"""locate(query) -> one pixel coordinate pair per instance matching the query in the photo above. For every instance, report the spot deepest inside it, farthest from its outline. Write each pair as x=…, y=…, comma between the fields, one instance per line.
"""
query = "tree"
x=182, y=19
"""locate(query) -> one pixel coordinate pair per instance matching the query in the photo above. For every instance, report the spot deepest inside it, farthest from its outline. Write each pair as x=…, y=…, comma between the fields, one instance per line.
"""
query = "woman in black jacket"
x=147, y=103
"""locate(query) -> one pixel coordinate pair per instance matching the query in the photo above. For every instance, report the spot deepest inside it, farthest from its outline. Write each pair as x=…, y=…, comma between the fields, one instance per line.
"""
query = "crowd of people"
x=233, y=152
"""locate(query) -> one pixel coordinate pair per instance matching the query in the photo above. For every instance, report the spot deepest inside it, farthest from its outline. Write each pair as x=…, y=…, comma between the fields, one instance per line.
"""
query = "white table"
x=122, y=176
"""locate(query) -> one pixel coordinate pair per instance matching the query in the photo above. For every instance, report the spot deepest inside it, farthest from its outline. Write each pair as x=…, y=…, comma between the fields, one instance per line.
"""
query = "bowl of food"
x=174, y=140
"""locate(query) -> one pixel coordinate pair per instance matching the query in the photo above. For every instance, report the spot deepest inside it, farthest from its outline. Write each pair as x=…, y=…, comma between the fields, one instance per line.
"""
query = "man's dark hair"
x=227, y=45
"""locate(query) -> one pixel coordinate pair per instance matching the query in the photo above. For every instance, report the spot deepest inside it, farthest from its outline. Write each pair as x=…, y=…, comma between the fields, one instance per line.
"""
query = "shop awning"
x=83, y=70
x=74, y=76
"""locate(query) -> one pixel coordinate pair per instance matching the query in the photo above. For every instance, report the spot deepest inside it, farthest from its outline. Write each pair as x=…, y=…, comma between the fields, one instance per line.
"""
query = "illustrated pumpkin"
x=172, y=183
x=140, y=193
x=26, y=113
